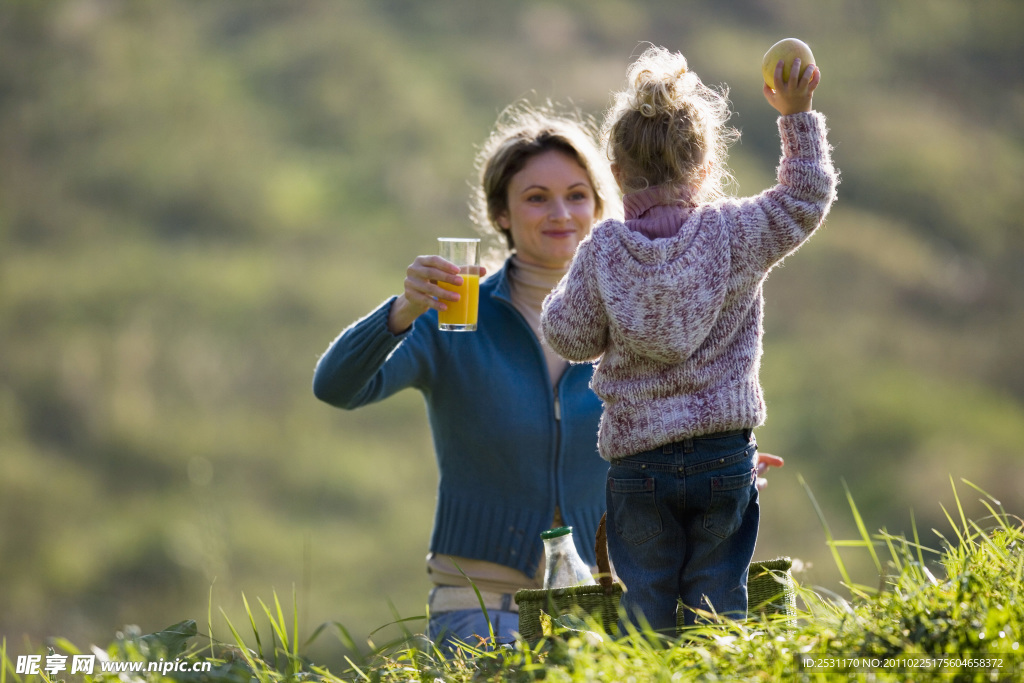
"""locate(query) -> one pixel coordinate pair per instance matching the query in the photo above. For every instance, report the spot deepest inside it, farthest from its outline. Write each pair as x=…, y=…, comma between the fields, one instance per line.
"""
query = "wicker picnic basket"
x=770, y=590
x=601, y=602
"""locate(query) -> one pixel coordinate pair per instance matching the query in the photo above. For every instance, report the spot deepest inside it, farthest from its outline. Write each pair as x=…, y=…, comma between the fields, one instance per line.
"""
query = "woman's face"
x=551, y=208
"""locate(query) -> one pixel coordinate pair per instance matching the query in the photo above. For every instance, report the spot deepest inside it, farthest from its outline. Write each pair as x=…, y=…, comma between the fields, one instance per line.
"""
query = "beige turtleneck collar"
x=529, y=285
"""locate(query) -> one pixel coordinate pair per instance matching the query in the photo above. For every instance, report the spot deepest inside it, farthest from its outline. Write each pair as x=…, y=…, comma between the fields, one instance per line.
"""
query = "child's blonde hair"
x=667, y=127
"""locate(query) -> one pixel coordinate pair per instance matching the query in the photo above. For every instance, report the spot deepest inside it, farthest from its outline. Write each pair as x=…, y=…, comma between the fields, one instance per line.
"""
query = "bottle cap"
x=555, y=533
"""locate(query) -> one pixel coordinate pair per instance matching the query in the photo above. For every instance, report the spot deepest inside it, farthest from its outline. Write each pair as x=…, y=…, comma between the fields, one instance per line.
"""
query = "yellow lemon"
x=787, y=50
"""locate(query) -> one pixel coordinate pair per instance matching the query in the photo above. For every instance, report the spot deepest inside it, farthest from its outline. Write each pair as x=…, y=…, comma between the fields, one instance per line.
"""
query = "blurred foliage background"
x=196, y=197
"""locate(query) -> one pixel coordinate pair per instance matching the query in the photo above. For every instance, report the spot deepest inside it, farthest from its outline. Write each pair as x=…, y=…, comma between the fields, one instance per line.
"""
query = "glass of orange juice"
x=461, y=314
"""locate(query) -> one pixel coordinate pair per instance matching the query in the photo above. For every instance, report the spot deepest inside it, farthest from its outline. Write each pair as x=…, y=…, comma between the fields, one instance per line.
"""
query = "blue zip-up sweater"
x=508, y=448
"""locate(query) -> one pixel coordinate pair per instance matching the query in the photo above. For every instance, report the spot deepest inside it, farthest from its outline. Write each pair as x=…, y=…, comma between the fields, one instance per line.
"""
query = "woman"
x=514, y=425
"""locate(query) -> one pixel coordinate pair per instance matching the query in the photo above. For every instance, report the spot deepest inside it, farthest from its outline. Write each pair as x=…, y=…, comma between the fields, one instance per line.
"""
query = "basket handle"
x=601, y=551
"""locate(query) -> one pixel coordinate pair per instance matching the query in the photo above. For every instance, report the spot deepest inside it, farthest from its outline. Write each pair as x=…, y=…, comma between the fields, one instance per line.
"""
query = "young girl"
x=671, y=301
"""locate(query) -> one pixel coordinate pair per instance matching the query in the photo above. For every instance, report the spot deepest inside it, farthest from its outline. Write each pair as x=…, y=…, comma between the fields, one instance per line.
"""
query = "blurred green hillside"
x=196, y=197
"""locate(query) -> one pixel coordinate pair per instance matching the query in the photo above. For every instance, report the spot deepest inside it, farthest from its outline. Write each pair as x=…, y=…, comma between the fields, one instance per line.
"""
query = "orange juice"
x=461, y=314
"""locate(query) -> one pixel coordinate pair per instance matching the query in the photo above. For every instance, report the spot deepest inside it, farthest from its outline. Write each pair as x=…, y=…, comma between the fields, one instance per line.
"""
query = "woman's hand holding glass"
x=421, y=291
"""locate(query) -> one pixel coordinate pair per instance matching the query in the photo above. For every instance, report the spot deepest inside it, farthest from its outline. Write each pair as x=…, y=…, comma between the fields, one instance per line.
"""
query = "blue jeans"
x=466, y=624
x=682, y=522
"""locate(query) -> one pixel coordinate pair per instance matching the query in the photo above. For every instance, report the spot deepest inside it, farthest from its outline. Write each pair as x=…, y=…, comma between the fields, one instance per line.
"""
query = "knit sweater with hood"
x=671, y=300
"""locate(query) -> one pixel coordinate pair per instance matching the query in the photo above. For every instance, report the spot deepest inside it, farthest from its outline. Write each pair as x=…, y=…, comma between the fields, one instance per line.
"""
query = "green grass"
x=960, y=602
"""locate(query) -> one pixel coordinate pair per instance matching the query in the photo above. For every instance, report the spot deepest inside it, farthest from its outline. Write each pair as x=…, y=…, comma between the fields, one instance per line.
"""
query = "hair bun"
x=666, y=126
x=658, y=84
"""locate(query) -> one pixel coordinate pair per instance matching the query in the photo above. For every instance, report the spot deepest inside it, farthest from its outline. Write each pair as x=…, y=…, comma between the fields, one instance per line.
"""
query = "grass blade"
x=894, y=553
x=956, y=529
x=959, y=506
x=344, y=636
x=399, y=619
x=1019, y=575
x=861, y=528
x=356, y=669
x=65, y=645
x=295, y=625
x=255, y=631
x=278, y=629
x=985, y=493
x=917, y=539
x=209, y=618
x=256, y=669
x=285, y=643
x=829, y=540
x=480, y=599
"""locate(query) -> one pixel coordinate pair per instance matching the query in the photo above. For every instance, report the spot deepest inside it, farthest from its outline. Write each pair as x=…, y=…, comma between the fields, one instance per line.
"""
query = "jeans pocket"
x=730, y=496
x=634, y=509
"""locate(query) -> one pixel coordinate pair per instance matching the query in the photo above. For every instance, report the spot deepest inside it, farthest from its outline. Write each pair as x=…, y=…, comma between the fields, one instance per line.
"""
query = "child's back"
x=671, y=302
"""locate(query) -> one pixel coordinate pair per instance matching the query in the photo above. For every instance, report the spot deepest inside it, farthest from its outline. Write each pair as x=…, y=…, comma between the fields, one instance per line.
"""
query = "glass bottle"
x=563, y=566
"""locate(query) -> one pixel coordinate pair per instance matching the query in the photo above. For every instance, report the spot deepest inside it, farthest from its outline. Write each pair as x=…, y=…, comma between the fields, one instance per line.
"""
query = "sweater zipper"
x=558, y=452
x=557, y=401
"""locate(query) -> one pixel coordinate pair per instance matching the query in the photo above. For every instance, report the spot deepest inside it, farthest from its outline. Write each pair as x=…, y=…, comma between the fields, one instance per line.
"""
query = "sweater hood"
x=662, y=297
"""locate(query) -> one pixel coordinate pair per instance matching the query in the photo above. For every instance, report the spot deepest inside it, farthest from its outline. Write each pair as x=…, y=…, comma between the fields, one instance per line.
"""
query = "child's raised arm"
x=793, y=96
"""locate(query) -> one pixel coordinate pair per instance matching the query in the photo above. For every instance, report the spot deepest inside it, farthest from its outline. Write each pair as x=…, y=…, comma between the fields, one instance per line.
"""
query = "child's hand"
x=793, y=96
